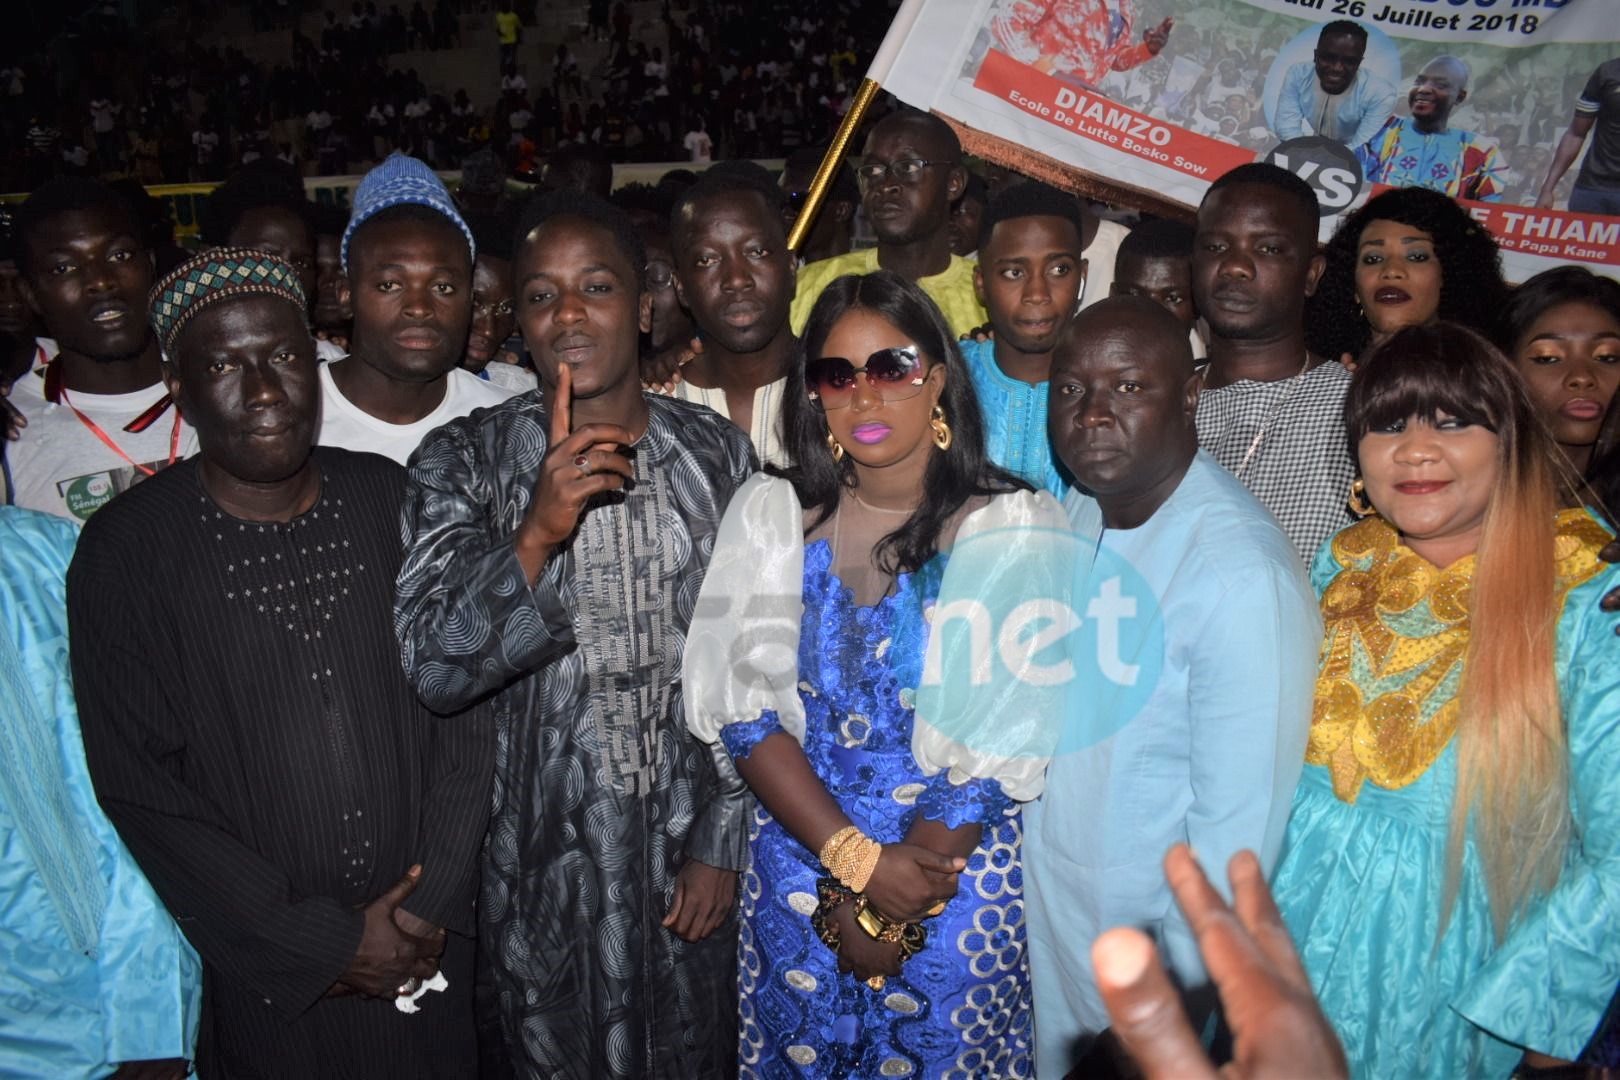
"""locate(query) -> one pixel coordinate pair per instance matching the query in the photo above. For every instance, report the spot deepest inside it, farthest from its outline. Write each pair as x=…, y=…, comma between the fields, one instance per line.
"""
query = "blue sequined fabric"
x=961, y=1007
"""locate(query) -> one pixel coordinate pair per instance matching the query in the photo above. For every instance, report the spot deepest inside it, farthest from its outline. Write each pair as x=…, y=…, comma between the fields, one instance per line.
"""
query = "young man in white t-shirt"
x=408, y=265
x=698, y=143
x=99, y=418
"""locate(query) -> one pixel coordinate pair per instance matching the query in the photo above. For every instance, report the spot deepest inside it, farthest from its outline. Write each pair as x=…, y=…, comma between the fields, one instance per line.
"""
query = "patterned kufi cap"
x=215, y=276
x=402, y=180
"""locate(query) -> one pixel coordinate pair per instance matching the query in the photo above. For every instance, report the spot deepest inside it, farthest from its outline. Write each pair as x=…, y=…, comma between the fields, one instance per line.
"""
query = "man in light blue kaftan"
x=93, y=971
x=1203, y=742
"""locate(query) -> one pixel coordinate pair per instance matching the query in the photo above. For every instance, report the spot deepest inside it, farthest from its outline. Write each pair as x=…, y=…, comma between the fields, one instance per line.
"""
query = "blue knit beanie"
x=398, y=181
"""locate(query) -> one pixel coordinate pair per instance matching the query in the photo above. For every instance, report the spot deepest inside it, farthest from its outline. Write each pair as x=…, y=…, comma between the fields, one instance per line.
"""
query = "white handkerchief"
x=407, y=1003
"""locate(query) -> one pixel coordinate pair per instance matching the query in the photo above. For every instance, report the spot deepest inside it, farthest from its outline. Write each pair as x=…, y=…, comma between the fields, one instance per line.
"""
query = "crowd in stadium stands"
x=683, y=83
x=503, y=630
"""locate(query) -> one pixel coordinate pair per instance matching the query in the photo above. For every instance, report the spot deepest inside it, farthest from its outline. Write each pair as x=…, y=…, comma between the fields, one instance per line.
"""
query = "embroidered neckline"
x=1396, y=637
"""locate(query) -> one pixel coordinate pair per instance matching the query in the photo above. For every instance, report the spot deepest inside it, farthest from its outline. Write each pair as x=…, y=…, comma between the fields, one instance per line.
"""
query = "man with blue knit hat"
x=408, y=275
x=311, y=826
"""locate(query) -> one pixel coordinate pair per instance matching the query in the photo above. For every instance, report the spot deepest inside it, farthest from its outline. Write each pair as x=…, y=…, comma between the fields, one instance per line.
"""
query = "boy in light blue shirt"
x=1029, y=278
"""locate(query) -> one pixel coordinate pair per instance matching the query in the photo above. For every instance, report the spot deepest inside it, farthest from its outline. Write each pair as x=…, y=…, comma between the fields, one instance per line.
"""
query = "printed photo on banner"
x=1515, y=110
x=1339, y=81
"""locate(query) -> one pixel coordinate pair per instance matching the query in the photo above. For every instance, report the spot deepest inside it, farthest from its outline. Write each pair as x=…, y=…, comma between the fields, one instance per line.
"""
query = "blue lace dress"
x=959, y=1008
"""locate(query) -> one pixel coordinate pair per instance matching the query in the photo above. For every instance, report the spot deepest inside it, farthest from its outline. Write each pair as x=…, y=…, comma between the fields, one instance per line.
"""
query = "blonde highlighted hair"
x=1512, y=748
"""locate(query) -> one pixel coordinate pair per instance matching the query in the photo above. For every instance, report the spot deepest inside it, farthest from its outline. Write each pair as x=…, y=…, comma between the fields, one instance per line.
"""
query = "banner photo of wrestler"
x=1510, y=106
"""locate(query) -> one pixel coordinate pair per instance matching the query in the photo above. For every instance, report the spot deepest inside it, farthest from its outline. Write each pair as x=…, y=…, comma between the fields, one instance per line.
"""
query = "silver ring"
x=410, y=986
x=582, y=462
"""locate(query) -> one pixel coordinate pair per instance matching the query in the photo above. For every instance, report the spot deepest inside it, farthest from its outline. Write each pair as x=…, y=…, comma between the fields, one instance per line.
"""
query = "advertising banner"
x=1510, y=106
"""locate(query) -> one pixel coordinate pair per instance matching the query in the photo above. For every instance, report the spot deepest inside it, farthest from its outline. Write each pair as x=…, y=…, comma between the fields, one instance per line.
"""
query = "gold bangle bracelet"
x=829, y=850
x=870, y=853
x=868, y=920
x=851, y=856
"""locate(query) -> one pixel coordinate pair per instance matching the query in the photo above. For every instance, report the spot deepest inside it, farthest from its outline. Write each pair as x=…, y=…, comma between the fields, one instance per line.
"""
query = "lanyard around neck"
x=55, y=392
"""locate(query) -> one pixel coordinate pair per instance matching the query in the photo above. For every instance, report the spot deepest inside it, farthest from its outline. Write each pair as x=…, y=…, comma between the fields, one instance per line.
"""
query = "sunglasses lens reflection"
x=892, y=372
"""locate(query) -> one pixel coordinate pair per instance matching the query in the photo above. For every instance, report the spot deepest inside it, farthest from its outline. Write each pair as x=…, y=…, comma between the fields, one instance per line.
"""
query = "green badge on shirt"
x=85, y=495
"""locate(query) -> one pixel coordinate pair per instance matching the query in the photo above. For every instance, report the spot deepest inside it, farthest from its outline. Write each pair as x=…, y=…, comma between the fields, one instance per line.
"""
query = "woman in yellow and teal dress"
x=1451, y=871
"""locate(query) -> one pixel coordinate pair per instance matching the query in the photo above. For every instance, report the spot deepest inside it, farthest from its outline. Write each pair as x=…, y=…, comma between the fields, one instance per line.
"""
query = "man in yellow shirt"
x=910, y=172
x=508, y=27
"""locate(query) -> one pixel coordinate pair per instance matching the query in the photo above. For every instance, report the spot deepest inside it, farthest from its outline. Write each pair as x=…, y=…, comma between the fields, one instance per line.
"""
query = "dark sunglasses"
x=895, y=373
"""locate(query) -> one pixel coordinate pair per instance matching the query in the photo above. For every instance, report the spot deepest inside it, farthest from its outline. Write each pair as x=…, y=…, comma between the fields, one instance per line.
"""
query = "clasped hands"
x=908, y=884
x=397, y=949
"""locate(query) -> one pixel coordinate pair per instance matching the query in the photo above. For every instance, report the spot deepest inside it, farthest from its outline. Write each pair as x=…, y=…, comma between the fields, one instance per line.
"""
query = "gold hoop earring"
x=1357, y=502
x=942, y=430
x=834, y=446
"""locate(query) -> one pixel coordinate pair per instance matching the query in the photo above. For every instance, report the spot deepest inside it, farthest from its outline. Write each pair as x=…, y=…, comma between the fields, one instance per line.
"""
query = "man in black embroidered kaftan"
x=312, y=828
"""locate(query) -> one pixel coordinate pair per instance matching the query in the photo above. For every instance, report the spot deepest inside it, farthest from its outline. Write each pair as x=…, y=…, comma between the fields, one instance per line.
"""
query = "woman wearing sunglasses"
x=883, y=912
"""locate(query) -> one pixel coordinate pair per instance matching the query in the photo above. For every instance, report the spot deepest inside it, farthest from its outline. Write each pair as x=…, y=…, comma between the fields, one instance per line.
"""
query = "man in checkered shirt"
x=1270, y=412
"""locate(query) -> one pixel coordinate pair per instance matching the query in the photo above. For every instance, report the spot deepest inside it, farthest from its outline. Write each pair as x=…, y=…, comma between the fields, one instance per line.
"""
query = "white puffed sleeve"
x=742, y=649
x=997, y=675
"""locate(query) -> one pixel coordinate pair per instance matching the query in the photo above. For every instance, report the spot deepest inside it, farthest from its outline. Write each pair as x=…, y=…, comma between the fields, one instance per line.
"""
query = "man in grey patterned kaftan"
x=553, y=558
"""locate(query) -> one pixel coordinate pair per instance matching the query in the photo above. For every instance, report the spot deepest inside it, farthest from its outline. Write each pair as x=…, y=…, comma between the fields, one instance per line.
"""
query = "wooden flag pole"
x=830, y=163
x=882, y=64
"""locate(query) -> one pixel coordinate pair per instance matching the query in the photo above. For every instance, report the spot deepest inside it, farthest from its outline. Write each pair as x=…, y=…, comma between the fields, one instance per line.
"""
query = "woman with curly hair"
x=1408, y=257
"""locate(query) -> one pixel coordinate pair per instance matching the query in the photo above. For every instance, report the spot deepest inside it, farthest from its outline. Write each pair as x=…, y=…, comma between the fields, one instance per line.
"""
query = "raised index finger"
x=562, y=405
